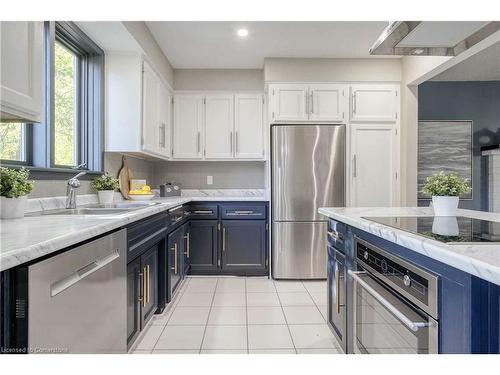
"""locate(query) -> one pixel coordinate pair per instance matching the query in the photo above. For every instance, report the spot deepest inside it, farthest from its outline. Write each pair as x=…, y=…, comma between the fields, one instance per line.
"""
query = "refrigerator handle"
x=354, y=167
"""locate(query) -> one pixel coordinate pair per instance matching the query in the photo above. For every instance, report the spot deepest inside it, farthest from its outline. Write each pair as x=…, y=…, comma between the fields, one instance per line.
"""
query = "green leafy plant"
x=442, y=184
x=14, y=182
x=104, y=182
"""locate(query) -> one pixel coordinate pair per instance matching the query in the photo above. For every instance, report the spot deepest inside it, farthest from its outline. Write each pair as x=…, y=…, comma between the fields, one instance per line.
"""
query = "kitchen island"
x=399, y=283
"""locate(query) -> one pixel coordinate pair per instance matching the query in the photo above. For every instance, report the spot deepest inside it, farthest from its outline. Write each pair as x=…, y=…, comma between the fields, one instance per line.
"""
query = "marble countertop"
x=29, y=238
x=481, y=260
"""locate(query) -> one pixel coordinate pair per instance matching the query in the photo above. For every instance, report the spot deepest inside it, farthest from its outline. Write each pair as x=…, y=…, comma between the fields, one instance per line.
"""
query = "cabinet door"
x=374, y=103
x=149, y=264
x=165, y=128
x=219, y=126
x=21, y=62
x=243, y=245
x=337, y=289
x=249, y=127
x=134, y=283
x=374, y=166
x=327, y=102
x=203, y=254
x=150, y=110
x=187, y=248
x=188, y=126
x=289, y=103
x=175, y=248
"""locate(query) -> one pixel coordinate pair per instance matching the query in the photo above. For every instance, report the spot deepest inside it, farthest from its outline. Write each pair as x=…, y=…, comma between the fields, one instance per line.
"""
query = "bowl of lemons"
x=142, y=194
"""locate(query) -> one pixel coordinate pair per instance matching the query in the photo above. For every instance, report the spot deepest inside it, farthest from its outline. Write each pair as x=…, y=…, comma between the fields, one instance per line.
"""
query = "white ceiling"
x=483, y=66
x=215, y=45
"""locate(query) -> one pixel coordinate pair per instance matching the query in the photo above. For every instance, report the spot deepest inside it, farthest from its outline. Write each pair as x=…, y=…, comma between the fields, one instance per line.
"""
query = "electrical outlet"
x=210, y=180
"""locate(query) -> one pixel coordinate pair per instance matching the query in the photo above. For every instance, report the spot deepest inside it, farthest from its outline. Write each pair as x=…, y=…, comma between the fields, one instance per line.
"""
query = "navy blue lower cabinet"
x=244, y=249
x=149, y=300
x=337, y=292
x=175, y=255
x=203, y=247
x=468, y=319
x=133, y=299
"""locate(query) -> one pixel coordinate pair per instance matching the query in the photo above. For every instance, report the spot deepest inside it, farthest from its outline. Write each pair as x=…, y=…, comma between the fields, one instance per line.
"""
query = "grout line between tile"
x=246, y=316
x=286, y=321
x=315, y=304
x=208, y=317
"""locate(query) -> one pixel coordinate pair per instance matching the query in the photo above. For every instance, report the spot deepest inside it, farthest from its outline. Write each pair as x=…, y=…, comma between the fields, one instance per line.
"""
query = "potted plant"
x=14, y=186
x=105, y=187
x=445, y=189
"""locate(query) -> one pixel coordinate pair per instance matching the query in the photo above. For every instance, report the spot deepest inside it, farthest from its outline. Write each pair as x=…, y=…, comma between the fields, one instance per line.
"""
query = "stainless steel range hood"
x=431, y=38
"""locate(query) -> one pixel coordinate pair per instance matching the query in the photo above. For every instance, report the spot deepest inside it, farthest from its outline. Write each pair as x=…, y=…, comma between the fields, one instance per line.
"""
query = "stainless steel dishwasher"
x=74, y=302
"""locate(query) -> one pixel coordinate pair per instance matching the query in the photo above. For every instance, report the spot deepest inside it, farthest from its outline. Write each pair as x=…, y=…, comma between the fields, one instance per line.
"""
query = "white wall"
x=152, y=50
x=219, y=79
x=335, y=70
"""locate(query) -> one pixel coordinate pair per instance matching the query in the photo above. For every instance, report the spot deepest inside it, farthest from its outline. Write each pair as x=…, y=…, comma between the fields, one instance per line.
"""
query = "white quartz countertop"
x=29, y=238
x=479, y=259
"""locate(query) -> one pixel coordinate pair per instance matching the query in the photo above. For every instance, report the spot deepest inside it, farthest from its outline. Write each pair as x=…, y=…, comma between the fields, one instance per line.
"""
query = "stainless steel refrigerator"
x=308, y=172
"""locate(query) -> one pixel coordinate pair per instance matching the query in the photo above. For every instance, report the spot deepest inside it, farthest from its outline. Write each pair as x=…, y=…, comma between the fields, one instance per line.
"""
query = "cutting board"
x=124, y=176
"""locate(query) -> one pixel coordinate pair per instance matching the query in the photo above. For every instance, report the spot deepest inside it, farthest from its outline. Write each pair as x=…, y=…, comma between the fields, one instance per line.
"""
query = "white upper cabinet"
x=219, y=126
x=21, y=71
x=308, y=102
x=327, y=102
x=188, y=126
x=289, y=102
x=150, y=110
x=249, y=126
x=373, y=165
x=374, y=103
x=138, y=108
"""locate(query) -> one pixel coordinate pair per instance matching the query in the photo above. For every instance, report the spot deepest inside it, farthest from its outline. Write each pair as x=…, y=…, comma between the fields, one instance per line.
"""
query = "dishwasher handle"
x=414, y=326
x=63, y=284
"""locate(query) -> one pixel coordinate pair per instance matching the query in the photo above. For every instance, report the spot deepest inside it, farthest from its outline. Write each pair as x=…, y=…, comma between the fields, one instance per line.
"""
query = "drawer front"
x=243, y=211
x=142, y=235
x=203, y=211
x=337, y=235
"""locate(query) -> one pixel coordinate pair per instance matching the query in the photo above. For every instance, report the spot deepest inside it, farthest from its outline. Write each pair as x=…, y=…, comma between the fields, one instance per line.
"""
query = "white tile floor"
x=241, y=315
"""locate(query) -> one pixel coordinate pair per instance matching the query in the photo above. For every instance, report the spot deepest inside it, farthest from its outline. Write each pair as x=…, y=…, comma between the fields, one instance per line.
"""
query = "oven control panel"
x=413, y=282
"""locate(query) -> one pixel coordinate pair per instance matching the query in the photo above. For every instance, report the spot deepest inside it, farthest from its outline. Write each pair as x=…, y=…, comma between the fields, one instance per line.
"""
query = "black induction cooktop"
x=445, y=229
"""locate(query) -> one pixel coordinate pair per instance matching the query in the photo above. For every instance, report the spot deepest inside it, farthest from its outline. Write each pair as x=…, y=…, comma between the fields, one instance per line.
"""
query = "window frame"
x=27, y=145
x=90, y=140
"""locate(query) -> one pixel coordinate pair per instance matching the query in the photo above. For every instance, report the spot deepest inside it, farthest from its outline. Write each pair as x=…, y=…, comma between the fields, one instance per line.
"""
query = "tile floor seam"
x=208, y=317
x=315, y=304
x=286, y=320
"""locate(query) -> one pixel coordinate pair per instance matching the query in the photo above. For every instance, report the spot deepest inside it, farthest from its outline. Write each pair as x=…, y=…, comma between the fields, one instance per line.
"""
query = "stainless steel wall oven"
x=394, y=304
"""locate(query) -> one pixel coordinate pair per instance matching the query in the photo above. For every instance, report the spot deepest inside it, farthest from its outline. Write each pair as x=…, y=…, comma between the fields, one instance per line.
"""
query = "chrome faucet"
x=73, y=183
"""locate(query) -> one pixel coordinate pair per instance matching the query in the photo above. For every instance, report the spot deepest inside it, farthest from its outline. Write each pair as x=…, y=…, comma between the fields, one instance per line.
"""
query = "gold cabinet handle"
x=148, y=285
x=223, y=239
x=337, y=286
x=144, y=287
x=186, y=237
x=141, y=287
x=175, y=258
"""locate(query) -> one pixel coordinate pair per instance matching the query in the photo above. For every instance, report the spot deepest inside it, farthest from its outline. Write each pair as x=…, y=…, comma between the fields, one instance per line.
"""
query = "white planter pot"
x=106, y=196
x=445, y=226
x=445, y=206
x=12, y=208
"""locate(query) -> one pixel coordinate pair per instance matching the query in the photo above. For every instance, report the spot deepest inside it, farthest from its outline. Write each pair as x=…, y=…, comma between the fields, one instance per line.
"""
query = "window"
x=66, y=106
x=13, y=142
x=72, y=131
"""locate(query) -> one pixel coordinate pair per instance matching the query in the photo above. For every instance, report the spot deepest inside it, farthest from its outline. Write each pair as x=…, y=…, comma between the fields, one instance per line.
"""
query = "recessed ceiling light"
x=242, y=32
x=417, y=51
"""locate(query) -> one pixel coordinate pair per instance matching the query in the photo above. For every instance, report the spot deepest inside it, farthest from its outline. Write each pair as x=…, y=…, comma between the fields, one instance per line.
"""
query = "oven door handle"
x=414, y=326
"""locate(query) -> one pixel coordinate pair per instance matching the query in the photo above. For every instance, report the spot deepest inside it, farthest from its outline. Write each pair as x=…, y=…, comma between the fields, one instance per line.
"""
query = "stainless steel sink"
x=118, y=208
